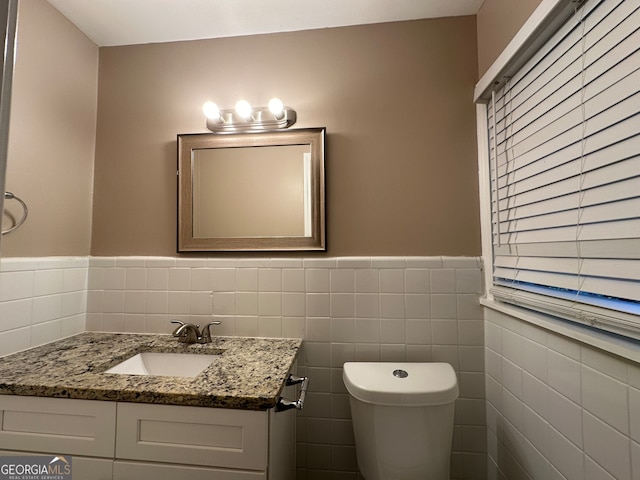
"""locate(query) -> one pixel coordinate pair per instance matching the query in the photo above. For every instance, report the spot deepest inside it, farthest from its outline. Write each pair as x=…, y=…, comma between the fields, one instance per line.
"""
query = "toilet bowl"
x=402, y=417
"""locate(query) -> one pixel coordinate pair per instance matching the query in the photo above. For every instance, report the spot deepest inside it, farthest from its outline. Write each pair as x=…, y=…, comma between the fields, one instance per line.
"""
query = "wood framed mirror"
x=251, y=191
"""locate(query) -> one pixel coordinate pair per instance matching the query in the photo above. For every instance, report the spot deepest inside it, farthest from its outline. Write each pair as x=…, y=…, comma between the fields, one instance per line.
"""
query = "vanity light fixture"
x=245, y=118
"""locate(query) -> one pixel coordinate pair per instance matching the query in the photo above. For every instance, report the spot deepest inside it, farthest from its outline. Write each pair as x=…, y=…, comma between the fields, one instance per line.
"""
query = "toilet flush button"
x=400, y=373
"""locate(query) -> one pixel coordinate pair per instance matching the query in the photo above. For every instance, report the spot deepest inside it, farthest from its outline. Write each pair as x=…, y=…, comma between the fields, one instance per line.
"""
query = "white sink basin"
x=165, y=364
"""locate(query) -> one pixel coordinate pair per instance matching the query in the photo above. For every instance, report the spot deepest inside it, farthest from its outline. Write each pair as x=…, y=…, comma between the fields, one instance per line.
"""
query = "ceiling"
x=127, y=22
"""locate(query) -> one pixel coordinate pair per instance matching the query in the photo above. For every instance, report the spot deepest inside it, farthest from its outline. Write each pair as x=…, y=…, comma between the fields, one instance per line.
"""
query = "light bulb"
x=211, y=110
x=276, y=107
x=243, y=108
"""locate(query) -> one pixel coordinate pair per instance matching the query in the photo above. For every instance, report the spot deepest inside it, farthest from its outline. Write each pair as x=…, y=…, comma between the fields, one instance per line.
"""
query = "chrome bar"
x=284, y=405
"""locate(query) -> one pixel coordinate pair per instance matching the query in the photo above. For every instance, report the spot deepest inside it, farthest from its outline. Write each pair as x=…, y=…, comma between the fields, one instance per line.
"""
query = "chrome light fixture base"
x=261, y=120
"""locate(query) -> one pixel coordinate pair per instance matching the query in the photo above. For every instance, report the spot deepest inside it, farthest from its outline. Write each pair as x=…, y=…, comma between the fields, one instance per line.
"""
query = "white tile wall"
x=355, y=308
x=350, y=308
x=41, y=300
x=556, y=408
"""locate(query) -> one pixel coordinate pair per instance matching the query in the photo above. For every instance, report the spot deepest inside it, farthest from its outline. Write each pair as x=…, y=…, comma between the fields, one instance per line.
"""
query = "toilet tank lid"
x=421, y=384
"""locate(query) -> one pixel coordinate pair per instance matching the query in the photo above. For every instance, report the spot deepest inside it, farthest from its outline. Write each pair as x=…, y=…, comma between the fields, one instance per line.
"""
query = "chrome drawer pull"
x=283, y=404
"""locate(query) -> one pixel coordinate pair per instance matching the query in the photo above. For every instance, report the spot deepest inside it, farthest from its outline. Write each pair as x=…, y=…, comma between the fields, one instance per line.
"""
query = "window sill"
x=618, y=345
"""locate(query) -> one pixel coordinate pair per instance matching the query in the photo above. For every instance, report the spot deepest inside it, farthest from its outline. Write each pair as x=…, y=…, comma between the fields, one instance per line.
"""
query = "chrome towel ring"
x=11, y=196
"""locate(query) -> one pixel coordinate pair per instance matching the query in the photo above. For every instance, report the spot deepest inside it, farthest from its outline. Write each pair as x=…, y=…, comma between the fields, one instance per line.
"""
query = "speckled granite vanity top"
x=249, y=374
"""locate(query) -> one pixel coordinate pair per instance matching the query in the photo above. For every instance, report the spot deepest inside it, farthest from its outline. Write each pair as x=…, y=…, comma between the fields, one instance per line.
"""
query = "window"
x=563, y=151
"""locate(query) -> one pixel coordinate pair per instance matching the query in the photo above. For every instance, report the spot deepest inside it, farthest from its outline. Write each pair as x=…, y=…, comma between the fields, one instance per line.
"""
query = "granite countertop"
x=249, y=374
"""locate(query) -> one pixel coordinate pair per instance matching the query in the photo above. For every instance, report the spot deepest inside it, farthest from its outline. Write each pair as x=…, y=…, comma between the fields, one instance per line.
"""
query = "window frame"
x=542, y=24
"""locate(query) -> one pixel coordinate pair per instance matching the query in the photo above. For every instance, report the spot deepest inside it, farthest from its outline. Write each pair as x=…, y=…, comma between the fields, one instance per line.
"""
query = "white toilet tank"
x=402, y=417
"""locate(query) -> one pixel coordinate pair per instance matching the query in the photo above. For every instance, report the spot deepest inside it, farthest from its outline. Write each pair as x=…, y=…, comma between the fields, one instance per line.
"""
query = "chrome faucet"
x=190, y=333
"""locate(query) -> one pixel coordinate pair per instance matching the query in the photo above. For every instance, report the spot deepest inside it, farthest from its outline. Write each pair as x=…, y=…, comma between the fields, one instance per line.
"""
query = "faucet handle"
x=180, y=324
x=206, y=332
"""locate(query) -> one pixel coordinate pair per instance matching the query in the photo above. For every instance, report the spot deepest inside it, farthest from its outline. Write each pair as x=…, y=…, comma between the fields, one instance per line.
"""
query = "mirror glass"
x=257, y=191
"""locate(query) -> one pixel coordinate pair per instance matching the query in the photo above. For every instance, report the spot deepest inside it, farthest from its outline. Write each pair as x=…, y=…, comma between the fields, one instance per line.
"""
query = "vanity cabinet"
x=121, y=441
x=82, y=429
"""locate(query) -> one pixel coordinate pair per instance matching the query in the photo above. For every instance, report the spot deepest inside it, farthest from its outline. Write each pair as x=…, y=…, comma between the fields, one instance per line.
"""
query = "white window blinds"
x=564, y=148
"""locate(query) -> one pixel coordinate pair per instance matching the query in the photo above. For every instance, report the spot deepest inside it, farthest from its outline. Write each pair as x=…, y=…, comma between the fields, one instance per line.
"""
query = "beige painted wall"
x=52, y=134
x=405, y=189
x=396, y=100
x=498, y=22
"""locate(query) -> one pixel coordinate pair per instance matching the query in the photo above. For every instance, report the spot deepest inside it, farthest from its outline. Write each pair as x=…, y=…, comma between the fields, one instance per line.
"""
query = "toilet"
x=402, y=417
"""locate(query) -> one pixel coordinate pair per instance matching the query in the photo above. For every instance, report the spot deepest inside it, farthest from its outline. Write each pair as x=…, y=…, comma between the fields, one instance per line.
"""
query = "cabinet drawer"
x=123, y=470
x=220, y=437
x=57, y=425
x=85, y=468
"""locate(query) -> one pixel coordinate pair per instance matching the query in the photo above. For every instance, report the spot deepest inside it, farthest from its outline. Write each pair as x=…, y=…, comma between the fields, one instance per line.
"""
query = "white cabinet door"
x=57, y=425
x=124, y=470
x=219, y=437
